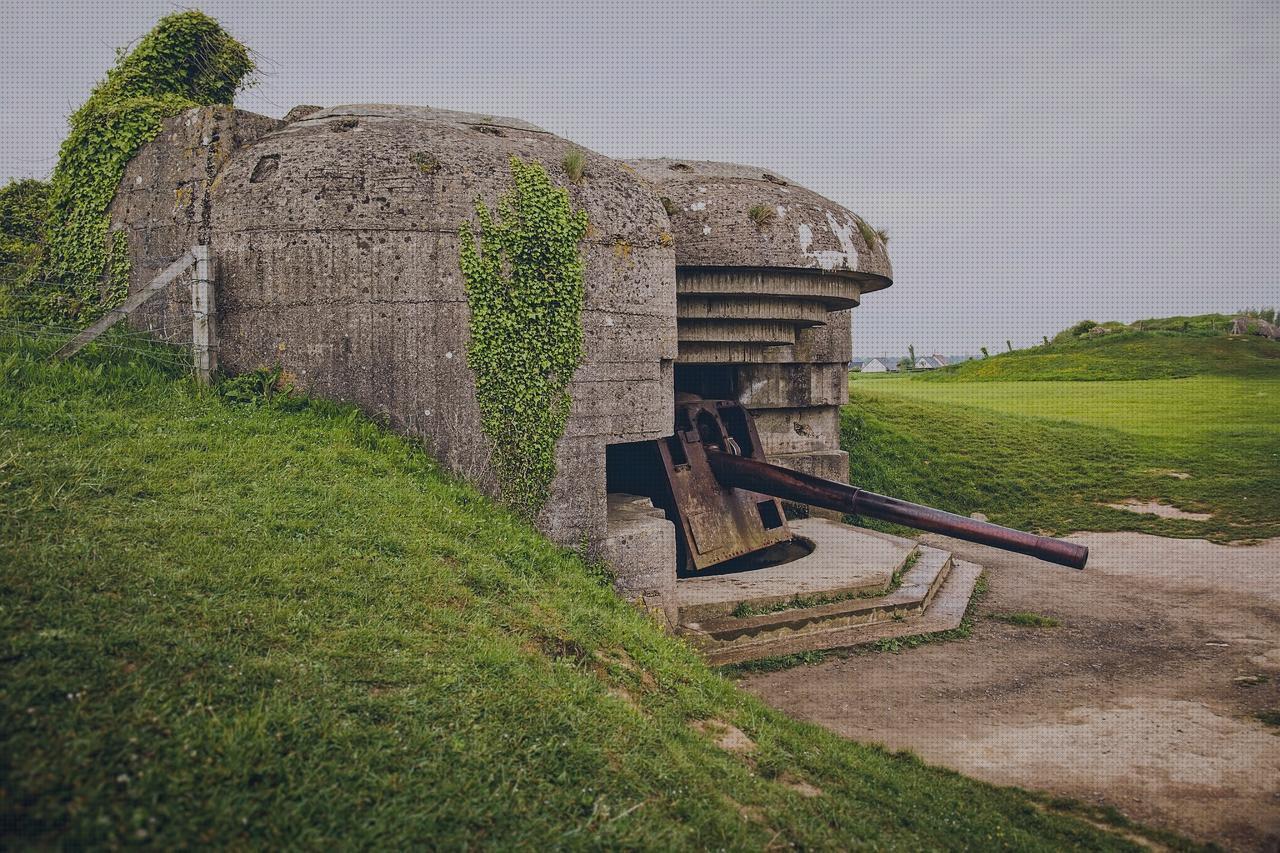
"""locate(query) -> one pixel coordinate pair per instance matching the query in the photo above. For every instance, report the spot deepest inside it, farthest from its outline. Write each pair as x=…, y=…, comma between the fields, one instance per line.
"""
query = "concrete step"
x=943, y=609
x=918, y=584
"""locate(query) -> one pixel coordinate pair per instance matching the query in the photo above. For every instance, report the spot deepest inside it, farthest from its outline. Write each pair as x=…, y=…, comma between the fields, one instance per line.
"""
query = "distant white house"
x=930, y=362
x=877, y=365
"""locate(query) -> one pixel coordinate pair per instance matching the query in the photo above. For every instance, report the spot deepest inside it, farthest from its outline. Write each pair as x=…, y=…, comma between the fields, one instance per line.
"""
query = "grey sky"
x=1034, y=163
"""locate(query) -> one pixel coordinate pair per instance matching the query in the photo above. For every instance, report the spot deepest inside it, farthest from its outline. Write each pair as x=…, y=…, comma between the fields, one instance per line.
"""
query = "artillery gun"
x=714, y=482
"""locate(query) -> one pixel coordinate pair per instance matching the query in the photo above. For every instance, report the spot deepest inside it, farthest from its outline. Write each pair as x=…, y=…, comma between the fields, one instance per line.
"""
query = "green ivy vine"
x=524, y=285
x=186, y=61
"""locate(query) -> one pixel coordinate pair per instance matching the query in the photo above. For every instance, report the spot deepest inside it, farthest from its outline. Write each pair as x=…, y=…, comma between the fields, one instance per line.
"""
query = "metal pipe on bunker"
x=746, y=473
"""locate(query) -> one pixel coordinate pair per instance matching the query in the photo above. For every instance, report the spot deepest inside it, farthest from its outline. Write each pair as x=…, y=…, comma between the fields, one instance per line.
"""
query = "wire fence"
x=159, y=330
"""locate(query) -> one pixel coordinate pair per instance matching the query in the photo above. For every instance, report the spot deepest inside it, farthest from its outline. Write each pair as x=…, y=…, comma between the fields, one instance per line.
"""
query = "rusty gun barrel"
x=746, y=473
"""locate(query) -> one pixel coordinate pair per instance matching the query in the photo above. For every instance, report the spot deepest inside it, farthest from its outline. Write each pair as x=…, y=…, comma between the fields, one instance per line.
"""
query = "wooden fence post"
x=204, y=321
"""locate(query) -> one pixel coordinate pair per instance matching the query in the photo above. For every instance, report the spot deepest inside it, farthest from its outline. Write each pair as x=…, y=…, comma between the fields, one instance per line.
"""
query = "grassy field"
x=1049, y=455
x=1125, y=354
x=278, y=626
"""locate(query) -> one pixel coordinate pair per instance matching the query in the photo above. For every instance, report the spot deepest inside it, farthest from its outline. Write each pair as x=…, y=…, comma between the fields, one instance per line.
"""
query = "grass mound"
x=279, y=626
x=1125, y=354
x=1050, y=456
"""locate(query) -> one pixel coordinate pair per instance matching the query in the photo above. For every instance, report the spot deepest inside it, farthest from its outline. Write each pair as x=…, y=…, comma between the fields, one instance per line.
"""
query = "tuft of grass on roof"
x=762, y=214
x=575, y=165
x=869, y=235
x=427, y=163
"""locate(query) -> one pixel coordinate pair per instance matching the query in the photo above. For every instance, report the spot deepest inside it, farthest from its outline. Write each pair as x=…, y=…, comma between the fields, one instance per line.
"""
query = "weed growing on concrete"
x=575, y=165
x=762, y=214
x=427, y=163
x=961, y=632
x=869, y=235
x=776, y=663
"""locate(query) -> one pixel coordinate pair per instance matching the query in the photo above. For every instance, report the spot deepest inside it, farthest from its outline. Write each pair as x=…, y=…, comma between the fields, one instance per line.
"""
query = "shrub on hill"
x=22, y=212
x=186, y=61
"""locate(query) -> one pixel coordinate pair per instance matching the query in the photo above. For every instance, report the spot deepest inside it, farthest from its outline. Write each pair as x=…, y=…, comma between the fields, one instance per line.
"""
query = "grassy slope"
x=232, y=626
x=1047, y=455
x=1126, y=355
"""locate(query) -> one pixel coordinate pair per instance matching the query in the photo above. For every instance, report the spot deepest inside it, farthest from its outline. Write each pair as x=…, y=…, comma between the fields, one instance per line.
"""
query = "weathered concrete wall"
x=336, y=246
x=164, y=202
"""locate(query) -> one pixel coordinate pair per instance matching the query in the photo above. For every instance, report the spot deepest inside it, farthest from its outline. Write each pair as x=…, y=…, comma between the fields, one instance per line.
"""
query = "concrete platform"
x=926, y=571
x=944, y=613
x=858, y=586
x=846, y=560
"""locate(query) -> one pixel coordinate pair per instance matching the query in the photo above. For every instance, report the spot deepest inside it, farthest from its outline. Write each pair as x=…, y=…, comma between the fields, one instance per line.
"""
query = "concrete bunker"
x=716, y=326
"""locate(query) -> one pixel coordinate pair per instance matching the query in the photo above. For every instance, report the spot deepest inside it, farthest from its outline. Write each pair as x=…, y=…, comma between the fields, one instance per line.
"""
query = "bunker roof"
x=731, y=215
x=391, y=167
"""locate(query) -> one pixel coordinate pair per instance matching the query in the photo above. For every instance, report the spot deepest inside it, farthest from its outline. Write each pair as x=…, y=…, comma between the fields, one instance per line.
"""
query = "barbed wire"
x=168, y=355
x=146, y=260
x=160, y=329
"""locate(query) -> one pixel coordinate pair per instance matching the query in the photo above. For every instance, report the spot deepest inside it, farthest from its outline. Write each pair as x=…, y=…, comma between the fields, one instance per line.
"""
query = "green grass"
x=1270, y=717
x=278, y=626
x=1050, y=455
x=762, y=214
x=1027, y=620
x=1124, y=355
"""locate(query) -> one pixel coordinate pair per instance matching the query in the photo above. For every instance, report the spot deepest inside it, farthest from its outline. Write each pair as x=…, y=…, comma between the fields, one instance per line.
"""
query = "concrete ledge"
x=917, y=589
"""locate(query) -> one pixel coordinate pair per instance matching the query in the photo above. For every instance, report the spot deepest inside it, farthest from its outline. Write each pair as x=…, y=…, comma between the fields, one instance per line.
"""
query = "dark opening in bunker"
x=636, y=469
x=708, y=381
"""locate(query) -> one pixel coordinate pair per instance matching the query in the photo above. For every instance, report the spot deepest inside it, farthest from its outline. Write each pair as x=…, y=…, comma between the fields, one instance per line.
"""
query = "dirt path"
x=1143, y=699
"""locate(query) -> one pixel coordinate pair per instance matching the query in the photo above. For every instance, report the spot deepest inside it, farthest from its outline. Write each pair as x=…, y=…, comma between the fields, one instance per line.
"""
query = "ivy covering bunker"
x=524, y=286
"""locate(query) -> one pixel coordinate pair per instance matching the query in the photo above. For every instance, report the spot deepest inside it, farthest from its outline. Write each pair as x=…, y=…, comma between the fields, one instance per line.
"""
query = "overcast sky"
x=1034, y=163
